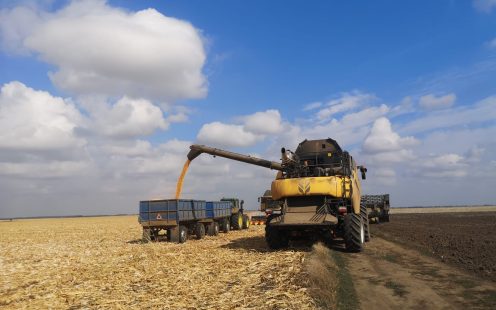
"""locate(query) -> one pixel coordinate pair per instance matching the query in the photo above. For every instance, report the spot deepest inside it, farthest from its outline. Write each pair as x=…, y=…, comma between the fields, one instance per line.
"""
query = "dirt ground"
x=389, y=276
x=465, y=240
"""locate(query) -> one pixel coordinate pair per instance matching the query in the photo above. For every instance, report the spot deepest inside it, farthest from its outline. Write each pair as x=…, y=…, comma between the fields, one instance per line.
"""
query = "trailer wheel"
x=183, y=234
x=366, y=224
x=237, y=221
x=199, y=230
x=213, y=229
x=246, y=221
x=216, y=228
x=226, y=227
x=275, y=238
x=147, y=235
x=354, y=232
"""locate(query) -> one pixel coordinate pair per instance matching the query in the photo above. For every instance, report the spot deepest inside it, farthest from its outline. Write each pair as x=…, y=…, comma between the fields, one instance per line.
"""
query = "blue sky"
x=406, y=86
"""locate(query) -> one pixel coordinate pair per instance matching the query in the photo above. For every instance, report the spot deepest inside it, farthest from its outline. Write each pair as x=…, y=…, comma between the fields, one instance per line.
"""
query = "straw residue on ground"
x=101, y=263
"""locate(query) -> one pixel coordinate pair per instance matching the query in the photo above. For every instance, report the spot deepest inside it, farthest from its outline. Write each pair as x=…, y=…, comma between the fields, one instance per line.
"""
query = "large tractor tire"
x=366, y=224
x=183, y=234
x=237, y=221
x=354, y=232
x=199, y=231
x=246, y=221
x=225, y=225
x=276, y=239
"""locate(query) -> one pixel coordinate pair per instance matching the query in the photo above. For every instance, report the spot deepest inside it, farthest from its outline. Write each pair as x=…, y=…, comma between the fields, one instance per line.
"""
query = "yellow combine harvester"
x=319, y=192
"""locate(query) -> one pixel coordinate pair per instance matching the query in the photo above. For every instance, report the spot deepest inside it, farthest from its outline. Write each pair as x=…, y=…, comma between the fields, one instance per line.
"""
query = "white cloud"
x=13, y=32
x=482, y=111
x=51, y=169
x=312, y=106
x=129, y=118
x=431, y=102
x=135, y=148
x=99, y=49
x=382, y=139
x=485, y=6
x=267, y=122
x=346, y=102
x=442, y=166
x=492, y=43
x=221, y=134
x=35, y=120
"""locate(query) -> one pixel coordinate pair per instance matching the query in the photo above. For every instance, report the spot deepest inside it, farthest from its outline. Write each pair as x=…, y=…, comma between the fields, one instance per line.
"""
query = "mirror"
x=363, y=170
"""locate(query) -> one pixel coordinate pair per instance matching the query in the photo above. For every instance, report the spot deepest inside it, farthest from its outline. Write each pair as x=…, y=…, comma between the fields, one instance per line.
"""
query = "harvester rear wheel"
x=365, y=219
x=226, y=227
x=354, y=232
x=275, y=238
x=183, y=234
x=237, y=221
x=199, y=230
x=246, y=221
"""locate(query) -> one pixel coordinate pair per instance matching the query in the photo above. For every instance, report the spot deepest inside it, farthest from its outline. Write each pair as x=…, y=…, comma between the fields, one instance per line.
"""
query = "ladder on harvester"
x=346, y=187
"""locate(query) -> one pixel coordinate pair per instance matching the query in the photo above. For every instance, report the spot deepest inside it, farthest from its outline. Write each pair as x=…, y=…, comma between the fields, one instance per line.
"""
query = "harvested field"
x=443, y=209
x=466, y=240
x=101, y=263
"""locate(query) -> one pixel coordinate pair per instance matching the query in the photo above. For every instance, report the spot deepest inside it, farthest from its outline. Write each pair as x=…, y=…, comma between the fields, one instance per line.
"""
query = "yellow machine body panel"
x=310, y=186
x=334, y=186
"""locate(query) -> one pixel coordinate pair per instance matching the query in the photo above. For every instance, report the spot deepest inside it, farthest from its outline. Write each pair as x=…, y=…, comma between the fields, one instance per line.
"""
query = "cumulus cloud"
x=99, y=49
x=129, y=118
x=221, y=134
x=253, y=128
x=383, y=139
x=33, y=120
x=267, y=122
x=13, y=31
x=485, y=6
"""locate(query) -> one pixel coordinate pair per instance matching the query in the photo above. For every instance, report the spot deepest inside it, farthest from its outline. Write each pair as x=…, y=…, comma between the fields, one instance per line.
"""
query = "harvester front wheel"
x=246, y=221
x=237, y=221
x=354, y=232
x=199, y=231
x=365, y=219
x=275, y=238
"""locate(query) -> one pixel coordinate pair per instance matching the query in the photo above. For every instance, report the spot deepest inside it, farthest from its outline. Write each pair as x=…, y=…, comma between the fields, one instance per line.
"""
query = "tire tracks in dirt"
x=389, y=276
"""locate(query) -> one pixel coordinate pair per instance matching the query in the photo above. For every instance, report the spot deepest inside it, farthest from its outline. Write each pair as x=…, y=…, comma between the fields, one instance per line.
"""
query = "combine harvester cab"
x=318, y=190
x=181, y=218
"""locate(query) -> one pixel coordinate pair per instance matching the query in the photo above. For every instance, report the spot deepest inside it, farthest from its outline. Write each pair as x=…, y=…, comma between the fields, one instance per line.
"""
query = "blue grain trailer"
x=179, y=218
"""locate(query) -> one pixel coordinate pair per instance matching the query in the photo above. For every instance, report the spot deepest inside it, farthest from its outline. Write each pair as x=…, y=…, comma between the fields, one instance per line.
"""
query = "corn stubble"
x=101, y=263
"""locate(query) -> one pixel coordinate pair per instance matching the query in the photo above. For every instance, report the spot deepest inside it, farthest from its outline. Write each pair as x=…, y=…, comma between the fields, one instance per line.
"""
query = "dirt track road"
x=389, y=276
